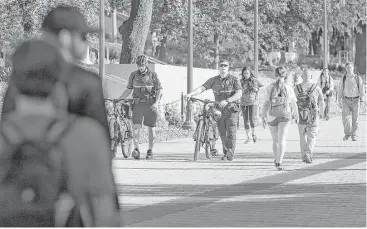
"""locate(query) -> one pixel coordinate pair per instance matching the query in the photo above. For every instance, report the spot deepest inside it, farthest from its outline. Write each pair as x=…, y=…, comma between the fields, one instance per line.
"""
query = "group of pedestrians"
x=55, y=160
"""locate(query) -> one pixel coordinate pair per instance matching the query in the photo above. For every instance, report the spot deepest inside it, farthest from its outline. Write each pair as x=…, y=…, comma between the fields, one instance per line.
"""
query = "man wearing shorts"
x=147, y=90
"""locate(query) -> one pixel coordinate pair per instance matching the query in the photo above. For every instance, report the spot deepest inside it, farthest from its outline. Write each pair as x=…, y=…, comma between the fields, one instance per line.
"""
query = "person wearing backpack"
x=54, y=166
x=326, y=83
x=311, y=105
x=250, y=88
x=278, y=110
x=147, y=91
x=351, y=98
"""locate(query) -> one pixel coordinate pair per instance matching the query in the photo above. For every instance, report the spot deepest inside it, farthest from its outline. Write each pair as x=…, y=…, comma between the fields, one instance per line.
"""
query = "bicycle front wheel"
x=126, y=139
x=199, y=130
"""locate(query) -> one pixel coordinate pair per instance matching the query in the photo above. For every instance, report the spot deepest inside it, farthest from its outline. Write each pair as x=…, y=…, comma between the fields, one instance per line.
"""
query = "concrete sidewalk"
x=173, y=190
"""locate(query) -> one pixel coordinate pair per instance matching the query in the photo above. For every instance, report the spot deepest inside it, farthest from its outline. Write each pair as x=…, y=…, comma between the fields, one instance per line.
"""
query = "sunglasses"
x=223, y=65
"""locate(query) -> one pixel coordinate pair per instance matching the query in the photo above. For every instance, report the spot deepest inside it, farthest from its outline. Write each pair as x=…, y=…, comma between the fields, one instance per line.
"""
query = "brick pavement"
x=173, y=190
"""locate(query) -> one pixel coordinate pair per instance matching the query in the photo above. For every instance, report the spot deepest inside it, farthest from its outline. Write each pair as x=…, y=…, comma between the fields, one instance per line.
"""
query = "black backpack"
x=307, y=105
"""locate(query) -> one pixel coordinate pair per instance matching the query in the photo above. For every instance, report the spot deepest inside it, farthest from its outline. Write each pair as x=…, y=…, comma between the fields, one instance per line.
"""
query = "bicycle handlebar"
x=119, y=100
x=203, y=101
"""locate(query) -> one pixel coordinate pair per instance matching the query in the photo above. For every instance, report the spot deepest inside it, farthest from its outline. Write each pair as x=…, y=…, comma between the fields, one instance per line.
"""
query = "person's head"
x=37, y=67
x=142, y=63
x=223, y=67
x=306, y=75
x=70, y=28
x=349, y=68
x=246, y=73
x=281, y=74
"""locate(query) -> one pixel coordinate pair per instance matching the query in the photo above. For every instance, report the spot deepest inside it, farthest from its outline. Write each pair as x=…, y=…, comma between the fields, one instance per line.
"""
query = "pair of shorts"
x=143, y=114
x=277, y=120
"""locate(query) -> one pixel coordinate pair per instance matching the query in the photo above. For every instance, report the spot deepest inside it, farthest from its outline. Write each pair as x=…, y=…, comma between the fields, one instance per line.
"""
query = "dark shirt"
x=223, y=88
x=144, y=85
x=85, y=94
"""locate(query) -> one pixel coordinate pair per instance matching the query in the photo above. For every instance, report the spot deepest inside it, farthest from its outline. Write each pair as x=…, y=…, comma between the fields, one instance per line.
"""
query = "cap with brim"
x=224, y=62
x=36, y=67
x=69, y=18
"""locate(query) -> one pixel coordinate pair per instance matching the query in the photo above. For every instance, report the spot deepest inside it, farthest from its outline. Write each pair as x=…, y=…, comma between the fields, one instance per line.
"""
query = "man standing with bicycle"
x=227, y=92
x=147, y=91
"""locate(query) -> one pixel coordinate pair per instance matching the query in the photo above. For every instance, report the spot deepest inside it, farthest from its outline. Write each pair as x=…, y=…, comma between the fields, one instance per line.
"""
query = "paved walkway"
x=173, y=190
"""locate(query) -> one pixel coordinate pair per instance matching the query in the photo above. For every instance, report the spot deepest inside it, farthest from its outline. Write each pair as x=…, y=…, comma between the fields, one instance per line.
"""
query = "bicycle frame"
x=204, y=123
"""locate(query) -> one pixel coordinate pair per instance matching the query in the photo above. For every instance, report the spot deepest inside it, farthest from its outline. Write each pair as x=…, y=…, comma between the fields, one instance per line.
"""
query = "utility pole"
x=256, y=45
x=189, y=124
x=326, y=45
x=101, y=45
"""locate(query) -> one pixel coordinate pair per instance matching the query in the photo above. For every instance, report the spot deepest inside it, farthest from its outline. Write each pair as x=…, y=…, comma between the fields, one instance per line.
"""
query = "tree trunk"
x=135, y=30
x=360, y=54
x=216, y=50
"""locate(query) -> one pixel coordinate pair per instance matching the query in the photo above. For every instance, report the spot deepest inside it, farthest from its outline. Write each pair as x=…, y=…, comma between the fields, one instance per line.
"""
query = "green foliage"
x=281, y=22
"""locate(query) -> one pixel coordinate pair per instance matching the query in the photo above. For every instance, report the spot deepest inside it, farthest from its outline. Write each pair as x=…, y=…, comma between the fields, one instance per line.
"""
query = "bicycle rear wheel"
x=199, y=130
x=114, y=131
x=210, y=141
x=126, y=139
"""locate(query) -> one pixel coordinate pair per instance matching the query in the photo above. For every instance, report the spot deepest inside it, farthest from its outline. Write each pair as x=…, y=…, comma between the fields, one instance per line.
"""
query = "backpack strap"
x=312, y=88
x=299, y=89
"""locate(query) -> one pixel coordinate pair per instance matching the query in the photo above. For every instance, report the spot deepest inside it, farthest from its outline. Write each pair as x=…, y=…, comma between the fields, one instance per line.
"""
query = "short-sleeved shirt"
x=223, y=88
x=291, y=96
x=144, y=85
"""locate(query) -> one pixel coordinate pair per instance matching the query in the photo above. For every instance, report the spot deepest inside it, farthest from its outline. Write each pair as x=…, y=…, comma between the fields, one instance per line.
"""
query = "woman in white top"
x=278, y=110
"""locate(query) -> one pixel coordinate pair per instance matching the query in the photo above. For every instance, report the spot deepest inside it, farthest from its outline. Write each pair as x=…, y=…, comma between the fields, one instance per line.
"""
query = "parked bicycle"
x=119, y=122
x=206, y=129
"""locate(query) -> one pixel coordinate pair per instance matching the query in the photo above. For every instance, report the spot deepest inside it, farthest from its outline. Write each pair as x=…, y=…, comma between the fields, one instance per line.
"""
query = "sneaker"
x=230, y=155
x=354, y=138
x=346, y=137
x=308, y=157
x=224, y=158
x=254, y=138
x=149, y=155
x=248, y=141
x=279, y=166
x=136, y=154
x=303, y=158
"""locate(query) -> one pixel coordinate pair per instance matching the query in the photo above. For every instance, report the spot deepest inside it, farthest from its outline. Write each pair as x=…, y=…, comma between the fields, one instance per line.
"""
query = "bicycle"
x=120, y=126
x=206, y=129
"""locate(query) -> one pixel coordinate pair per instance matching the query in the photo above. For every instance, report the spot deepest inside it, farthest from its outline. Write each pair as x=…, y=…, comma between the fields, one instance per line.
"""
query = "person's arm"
x=332, y=84
x=293, y=103
x=340, y=91
x=361, y=89
x=197, y=91
x=9, y=100
x=206, y=86
x=321, y=101
x=259, y=84
x=266, y=104
x=102, y=187
x=129, y=87
x=159, y=90
x=238, y=91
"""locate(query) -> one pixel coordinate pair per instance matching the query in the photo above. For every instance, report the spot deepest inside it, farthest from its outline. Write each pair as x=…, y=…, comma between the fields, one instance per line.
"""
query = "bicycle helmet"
x=142, y=60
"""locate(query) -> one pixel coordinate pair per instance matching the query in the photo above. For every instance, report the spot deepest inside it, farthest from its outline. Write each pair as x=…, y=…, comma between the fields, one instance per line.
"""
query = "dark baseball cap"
x=66, y=17
x=37, y=67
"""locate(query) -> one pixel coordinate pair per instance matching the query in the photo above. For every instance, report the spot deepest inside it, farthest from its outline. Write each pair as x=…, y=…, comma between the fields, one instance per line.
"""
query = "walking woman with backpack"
x=250, y=88
x=278, y=110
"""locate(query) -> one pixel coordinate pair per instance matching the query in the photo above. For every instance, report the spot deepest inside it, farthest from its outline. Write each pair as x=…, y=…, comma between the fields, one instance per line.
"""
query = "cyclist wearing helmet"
x=147, y=90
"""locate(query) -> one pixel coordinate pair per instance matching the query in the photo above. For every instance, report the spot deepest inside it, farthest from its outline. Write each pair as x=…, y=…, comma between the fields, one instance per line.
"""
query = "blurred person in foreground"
x=54, y=166
x=66, y=29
